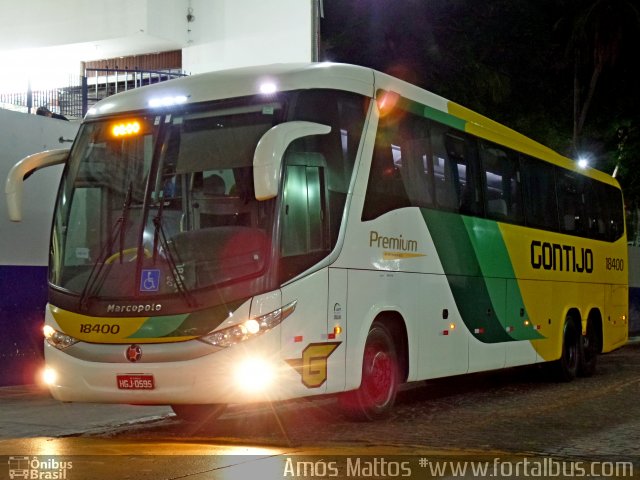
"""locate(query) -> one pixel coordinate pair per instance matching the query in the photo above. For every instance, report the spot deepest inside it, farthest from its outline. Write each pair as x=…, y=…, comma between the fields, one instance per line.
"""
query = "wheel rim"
x=380, y=377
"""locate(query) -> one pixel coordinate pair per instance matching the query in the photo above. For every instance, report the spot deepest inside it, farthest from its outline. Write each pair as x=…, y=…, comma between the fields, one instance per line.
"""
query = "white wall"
x=236, y=33
x=40, y=38
x=46, y=23
x=27, y=242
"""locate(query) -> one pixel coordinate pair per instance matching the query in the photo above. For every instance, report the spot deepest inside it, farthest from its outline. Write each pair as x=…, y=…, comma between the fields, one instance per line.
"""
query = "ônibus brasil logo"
x=38, y=468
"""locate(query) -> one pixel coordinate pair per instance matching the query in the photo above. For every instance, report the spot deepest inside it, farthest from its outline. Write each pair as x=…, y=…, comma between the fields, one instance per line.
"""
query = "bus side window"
x=594, y=213
x=612, y=212
x=455, y=172
x=385, y=190
x=570, y=203
x=541, y=208
x=400, y=173
x=502, y=189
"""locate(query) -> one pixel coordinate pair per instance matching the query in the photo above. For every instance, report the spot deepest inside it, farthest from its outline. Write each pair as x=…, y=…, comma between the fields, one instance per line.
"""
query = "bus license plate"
x=135, y=382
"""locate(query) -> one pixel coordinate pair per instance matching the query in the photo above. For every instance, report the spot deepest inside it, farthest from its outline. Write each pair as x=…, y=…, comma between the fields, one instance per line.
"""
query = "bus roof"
x=241, y=82
x=365, y=81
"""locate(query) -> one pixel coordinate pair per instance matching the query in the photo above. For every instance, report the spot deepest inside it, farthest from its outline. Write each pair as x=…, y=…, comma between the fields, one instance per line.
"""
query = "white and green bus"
x=276, y=232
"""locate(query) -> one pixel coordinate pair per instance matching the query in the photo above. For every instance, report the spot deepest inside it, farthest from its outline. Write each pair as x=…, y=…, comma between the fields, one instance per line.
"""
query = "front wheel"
x=380, y=377
x=203, y=414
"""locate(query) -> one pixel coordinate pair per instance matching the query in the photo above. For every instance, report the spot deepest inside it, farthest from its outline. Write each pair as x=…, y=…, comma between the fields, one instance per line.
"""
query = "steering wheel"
x=128, y=254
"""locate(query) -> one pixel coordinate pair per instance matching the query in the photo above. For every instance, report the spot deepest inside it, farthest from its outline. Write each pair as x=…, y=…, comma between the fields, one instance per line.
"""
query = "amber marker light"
x=126, y=129
x=387, y=102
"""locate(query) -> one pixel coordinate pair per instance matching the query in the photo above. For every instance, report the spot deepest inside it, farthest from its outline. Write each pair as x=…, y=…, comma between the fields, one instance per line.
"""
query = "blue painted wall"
x=23, y=296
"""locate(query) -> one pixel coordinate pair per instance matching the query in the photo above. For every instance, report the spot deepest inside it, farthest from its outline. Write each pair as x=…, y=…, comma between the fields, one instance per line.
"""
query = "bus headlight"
x=58, y=339
x=249, y=328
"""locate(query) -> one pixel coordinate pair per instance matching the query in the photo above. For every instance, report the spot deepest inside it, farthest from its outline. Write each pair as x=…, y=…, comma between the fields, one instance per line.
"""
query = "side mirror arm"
x=267, y=158
x=19, y=173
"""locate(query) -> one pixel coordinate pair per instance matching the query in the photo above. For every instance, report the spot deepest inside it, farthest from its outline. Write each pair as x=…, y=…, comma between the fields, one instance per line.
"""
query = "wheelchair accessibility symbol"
x=150, y=280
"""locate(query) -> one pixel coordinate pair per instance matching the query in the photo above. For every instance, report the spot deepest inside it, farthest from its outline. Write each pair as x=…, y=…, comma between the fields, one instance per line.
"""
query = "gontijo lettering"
x=563, y=258
x=395, y=243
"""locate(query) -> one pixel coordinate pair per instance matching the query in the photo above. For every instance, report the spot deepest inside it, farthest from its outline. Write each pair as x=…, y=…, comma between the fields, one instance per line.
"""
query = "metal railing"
x=82, y=92
x=99, y=83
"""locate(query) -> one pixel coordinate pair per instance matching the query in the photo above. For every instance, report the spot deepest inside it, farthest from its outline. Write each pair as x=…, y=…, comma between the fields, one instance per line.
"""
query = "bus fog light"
x=49, y=376
x=254, y=375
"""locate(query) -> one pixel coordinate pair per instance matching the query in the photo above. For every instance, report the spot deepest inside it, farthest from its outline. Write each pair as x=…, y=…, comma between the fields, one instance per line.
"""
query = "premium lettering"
x=393, y=243
x=561, y=258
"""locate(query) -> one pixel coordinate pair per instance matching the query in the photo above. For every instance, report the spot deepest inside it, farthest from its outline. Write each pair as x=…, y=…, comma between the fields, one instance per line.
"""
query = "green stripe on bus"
x=442, y=117
x=495, y=264
x=464, y=274
x=156, y=327
x=204, y=321
x=432, y=113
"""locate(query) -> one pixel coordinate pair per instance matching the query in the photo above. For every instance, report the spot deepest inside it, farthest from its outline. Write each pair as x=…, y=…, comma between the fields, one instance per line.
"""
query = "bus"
x=276, y=232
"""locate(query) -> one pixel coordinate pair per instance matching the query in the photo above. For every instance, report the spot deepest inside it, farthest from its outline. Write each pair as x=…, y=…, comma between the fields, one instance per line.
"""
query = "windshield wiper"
x=117, y=231
x=159, y=236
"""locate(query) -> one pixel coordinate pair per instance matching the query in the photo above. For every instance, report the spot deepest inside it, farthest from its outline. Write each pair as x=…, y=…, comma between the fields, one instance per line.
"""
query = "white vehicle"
x=294, y=230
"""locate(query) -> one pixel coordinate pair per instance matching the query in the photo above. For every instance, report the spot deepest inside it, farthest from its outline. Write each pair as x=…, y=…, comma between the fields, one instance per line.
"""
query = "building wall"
x=44, y=36
x=24, y=246
x=235, y=33
x=44, y=23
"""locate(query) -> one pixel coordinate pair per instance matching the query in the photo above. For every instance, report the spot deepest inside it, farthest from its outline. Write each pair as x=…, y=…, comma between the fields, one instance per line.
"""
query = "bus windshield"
x=160, y=209
x=143, y=195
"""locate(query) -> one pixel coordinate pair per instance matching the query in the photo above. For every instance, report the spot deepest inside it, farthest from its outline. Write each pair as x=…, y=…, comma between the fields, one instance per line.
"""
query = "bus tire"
x=376, y=395
x=566, y=367
x=589, y=351
x=203, y=414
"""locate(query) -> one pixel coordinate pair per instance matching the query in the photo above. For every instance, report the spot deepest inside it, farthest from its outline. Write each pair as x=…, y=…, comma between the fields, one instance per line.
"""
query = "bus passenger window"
x=386, y=191
x=454, y=170
x=541, y=208
x=570, y=203
x=401, y=173
x=502, y=190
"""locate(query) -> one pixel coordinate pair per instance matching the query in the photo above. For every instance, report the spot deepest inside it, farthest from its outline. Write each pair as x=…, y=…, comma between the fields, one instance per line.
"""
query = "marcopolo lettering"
x=139, y=308
x=395, y=243
x=562, y=258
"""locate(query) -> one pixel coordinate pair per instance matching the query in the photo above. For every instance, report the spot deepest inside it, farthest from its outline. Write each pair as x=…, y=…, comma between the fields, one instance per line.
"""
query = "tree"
x=598, y=31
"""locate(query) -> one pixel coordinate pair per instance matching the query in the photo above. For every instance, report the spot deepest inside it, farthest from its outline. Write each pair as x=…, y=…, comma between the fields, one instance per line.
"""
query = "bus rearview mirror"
x=24, y=168
x=267, y=158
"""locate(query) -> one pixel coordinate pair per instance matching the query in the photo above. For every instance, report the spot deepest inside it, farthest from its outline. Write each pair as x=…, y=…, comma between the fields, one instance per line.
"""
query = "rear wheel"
x=566, y=368
x=203, y=414
x=590, y=349
x=380, y=377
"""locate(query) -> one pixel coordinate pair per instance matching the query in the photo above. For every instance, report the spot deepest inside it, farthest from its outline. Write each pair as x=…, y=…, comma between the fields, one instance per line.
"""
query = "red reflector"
x=331, y=336
x=297, y=339
x=445, y=332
